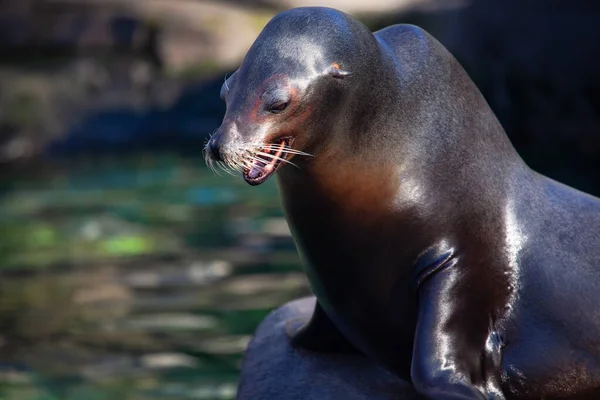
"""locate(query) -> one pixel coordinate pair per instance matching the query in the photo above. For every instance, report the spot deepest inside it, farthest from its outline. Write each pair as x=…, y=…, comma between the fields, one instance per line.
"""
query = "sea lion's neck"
x=403, y=159
x=420, y=144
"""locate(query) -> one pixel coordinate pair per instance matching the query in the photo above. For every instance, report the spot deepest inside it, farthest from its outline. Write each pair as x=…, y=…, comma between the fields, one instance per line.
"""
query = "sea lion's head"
x=285, y=100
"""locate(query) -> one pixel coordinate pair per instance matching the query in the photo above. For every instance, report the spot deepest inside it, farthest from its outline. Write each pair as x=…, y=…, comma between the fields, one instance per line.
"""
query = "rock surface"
x=272, y=369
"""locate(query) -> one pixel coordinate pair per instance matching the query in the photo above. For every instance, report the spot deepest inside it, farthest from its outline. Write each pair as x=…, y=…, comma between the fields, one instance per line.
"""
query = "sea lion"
x=430, y=245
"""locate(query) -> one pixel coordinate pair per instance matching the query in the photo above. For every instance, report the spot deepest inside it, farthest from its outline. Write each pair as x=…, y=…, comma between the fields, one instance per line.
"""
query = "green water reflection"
x=136, y=278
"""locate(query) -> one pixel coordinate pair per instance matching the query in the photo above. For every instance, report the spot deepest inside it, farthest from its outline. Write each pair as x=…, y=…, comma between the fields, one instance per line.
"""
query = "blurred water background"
x=129, y=270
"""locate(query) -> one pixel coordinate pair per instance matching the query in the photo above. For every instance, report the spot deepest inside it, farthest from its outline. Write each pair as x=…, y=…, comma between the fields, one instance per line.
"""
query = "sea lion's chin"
x=267, y=161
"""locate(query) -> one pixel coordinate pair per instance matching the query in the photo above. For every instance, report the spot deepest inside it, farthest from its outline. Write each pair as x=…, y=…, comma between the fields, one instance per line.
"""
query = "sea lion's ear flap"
x=337, y=72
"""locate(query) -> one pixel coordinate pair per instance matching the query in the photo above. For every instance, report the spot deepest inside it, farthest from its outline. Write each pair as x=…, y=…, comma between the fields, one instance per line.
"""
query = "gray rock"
x=272, y=369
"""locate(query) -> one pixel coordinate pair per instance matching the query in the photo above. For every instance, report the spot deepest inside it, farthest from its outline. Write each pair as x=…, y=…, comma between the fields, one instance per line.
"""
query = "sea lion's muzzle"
x=258, y=159
x=219, y=144
x=214, y=149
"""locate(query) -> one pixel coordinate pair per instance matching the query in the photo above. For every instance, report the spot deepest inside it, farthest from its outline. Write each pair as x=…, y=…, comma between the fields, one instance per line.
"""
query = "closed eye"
x=277, y=106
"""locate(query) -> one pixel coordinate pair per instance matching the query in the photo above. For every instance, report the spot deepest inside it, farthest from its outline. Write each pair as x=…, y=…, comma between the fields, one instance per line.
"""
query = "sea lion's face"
x=279, y=103
x=270, y=122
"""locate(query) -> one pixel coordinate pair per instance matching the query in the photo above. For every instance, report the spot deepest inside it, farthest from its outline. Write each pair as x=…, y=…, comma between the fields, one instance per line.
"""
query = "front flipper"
x=456, y=353
x=318, y=333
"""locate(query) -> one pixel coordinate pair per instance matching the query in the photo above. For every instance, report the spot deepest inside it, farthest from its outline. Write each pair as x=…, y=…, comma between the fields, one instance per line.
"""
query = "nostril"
x=214, y=148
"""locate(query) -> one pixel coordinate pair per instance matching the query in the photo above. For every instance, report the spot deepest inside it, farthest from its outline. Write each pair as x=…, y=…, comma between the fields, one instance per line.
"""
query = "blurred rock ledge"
x=173, y=35
x=168, y=33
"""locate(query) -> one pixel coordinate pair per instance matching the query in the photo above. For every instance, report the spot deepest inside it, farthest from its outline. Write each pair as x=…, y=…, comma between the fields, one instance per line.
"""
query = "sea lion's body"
x=430, y=245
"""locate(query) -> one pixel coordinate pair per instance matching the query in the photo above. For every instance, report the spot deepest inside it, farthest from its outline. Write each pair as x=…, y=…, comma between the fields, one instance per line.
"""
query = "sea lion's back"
x=412, y=46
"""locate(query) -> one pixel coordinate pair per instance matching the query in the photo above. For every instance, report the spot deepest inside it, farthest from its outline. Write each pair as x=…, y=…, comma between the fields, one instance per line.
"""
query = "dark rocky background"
x=129, y=271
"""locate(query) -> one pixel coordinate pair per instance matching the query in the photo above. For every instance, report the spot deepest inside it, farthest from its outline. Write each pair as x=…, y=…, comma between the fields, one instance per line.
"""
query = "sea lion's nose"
x=214, y=147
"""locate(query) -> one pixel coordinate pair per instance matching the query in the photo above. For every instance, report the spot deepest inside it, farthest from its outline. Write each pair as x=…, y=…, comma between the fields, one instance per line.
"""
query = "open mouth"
x=266, y=162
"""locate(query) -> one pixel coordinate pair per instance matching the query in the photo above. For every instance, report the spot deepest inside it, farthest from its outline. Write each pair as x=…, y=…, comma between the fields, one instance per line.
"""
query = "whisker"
x=289, y=150
x=274, y=157
x=295, y=152
x=216, y=167
x=209, y=163
x=262, y=145
x=222, y=167
x=238, y=165
x=207, y=159
x=229, y=169
x=236, y=162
